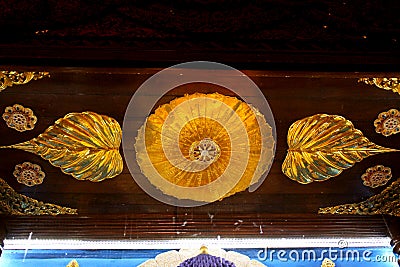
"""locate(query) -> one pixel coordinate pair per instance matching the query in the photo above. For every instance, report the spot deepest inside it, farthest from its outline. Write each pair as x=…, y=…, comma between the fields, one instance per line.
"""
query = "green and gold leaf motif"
x=385, y=203
x=13, y=203
x=84, y=145
x=322, y=146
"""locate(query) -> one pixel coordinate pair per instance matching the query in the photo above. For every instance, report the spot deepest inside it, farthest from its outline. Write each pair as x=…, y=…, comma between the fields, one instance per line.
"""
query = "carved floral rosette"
x=29, y=174
x=388, y=122
x=19, y=118
x=376, y=176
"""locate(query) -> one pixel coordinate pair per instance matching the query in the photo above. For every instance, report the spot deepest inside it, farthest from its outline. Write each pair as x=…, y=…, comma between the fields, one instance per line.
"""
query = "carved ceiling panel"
x=84, y=93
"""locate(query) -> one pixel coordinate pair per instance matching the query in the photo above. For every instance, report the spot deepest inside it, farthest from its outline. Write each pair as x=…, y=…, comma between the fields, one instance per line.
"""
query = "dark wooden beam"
x=172, y=226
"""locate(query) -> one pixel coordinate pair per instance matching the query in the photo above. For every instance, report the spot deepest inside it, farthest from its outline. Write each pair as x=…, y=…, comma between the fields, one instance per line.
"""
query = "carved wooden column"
x=394, y=230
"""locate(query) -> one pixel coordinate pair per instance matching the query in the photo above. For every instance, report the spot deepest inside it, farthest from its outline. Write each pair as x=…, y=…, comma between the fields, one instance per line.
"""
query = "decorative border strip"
x=10, y=78
x=227, y=243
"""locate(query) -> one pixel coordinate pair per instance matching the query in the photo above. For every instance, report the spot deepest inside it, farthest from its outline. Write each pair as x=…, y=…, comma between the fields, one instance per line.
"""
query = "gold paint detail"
x=327, y=263
x=388, y=122
x=73, y=263
x=392, y=84
x=29, y=174
x=10, y=78
x=385, y=203
x=19, y=118
x=203, y=250
x=84, y=145
x=13, y=203
x=376, y=176
x=322, y=146
x=204, y=147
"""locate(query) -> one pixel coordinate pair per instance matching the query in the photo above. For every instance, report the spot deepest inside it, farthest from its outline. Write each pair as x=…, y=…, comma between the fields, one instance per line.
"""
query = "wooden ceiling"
x=96, y=62
x=291, y=95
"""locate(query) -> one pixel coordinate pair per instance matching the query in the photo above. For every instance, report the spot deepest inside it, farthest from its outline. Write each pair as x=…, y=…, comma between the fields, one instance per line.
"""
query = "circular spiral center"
x=28, y=175
x=378, y=177
x=206, y=151
x=19, y=119
x=390, y=123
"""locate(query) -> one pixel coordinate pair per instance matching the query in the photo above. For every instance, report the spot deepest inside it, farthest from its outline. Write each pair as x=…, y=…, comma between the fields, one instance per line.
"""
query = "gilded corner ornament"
x=13, y=203
x=388, y=122
x=392, y=84
x=385, y=203
x=376, y=176
x=10, y=78
x=19, y=118
x=29, y=174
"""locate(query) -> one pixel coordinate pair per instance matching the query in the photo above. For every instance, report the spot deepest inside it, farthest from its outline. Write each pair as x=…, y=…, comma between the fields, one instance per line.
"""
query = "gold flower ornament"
x=327, y=263
x=73, y=263
x=388, y=122
x=29, y=174
x=376, y=176
x=19, y=118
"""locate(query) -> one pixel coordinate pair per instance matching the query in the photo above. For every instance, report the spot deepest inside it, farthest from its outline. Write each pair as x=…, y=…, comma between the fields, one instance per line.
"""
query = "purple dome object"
x=206, y=260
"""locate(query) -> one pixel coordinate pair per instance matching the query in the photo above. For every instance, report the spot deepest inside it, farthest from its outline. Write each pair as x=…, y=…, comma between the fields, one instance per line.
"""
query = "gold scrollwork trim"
x=383, y=83
x=13, y=203
x=385, y=203
x=9, y=78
